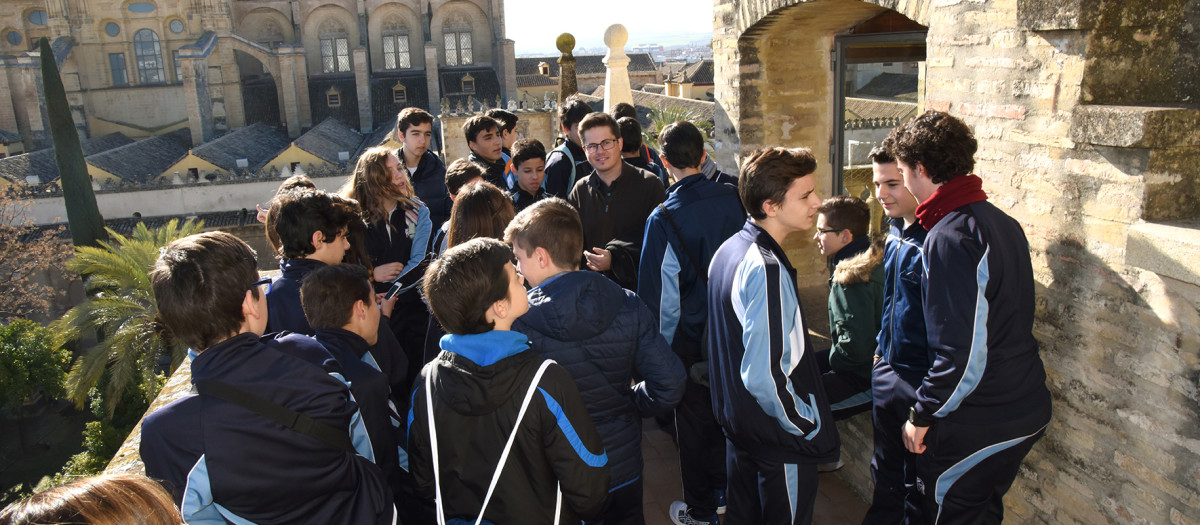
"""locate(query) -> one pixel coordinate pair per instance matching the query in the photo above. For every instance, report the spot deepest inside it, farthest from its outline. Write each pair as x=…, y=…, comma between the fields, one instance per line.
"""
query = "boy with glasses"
x=613, y=202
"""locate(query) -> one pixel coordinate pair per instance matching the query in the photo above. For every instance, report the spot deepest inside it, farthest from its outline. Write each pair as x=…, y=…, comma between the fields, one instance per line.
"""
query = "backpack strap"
x=441, y=518
x=296, y=421
x=571, y=158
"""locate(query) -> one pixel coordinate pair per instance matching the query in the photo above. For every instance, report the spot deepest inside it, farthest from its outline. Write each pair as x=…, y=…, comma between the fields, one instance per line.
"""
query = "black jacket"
x=614, y=217
x=429, y=182
x=479, y=382
x=603, y=334
x=493, y=171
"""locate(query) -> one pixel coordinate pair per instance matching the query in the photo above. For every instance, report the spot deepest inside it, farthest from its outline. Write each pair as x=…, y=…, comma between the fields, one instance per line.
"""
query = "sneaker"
x=721, y=501
x=682, y=515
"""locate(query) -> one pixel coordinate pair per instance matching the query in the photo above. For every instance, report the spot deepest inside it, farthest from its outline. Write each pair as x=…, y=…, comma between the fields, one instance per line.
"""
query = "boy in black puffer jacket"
x=602, y=334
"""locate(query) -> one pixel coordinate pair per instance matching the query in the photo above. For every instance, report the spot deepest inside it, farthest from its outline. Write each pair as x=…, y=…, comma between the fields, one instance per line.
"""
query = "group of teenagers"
x=479, y=342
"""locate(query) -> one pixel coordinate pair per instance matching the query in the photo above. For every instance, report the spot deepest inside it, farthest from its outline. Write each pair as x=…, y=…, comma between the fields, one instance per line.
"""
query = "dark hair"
x=478, y=124
x=505, y=119
x=598, y=119
x=461, y=172
x=551, y=224
x=844, y=212
x=938, y=141
x=572, y=111
x=371, y=184
x=356, y=232
x=526, y=149
x=294, y=182
x=199, y=284
x=880, y=155
x=465, y=281
x=631, y=134
x=328, y=294
x=682, y=144
x=623, y=109
x=411, y=116
x=767, y=174
x=480, y=210
x=303, y=212
x=106, y=499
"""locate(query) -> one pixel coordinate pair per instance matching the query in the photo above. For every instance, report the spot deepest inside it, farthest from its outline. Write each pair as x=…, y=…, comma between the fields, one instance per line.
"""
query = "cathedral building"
x=146, y=68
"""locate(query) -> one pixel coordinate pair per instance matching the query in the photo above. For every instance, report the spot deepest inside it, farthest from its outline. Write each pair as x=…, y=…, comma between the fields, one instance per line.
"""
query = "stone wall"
x=1086, y=117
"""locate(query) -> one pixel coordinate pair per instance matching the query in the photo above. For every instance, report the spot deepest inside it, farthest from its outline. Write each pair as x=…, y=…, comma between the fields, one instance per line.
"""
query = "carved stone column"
x=616, y=80
x=567, y=85
x=432, y=79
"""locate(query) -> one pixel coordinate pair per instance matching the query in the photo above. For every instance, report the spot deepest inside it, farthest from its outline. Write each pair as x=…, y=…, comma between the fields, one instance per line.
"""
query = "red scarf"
x=958, y=192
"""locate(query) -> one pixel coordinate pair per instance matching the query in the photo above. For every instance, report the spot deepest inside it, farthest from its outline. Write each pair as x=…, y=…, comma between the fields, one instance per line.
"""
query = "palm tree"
x=661, y=117
x=120, y=309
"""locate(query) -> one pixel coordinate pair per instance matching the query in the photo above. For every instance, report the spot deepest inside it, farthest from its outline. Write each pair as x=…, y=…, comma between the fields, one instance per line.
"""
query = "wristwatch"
x=916, y=420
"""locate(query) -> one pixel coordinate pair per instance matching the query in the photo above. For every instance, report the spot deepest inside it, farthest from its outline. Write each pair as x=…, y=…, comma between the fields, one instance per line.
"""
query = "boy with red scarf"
x=984, y=402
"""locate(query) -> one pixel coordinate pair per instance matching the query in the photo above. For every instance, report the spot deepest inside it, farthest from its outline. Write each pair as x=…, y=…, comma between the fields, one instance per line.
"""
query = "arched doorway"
x=260, y=96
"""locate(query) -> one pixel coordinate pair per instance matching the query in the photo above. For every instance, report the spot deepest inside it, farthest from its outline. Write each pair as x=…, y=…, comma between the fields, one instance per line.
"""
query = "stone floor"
x=837, y=504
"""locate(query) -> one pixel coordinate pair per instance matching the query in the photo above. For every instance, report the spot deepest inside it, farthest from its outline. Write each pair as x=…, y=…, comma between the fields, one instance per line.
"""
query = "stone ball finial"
x=616, y=36
x=565, y=43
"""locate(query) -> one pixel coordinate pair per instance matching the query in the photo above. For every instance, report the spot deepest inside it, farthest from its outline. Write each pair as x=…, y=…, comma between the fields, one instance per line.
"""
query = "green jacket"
x=855, y=310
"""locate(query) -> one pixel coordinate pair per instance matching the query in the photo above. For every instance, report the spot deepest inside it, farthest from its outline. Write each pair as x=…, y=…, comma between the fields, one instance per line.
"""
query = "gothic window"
x=335, y=48
x=395, y=51
x=457, y=36
x=148, y=54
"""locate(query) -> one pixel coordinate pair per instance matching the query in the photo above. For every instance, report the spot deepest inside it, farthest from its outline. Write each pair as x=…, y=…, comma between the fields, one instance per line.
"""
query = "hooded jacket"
x=901, y=339
x=855, y=303
x=478, y=384
x=224, y=462
x=763, y=373
x=602, y=333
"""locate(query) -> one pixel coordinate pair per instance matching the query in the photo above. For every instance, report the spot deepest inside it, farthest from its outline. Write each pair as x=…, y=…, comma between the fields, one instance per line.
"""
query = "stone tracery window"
x=148, y=53
x=457, y=37
x=396, y=51
x=335, y=48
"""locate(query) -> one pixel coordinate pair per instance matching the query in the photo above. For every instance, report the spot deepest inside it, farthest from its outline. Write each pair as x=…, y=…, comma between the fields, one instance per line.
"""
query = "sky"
x=534, y=24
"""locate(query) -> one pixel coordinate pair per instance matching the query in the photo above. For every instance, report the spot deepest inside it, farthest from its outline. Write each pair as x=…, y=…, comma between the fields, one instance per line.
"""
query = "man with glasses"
x=613, y=202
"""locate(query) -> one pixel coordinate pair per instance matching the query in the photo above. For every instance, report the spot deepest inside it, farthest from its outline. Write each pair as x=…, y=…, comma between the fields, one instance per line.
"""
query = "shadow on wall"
x=1123, y=374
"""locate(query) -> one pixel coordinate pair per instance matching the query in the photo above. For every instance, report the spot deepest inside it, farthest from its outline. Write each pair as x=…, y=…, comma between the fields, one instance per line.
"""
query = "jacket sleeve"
x=558, y=174
x=853, y=327
x=573, y=447
x=420, y=239
x=956, y=315
x=658, y=277
x=766, y=304
x=420, y=456
x=662, y=371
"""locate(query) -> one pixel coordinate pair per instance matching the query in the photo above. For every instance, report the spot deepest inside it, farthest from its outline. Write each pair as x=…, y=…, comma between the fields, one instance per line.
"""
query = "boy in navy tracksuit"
x=984, y=402
x=529, y=171
x=565, y=164
x=903, y=356
x=475, y=389
x=487, y=148
x=764, y=375
x=855, y=301
x=604, y=336
x=414, y=128
x=311, y=226
x=223, y=461
x=681, y=238
x=631, y=149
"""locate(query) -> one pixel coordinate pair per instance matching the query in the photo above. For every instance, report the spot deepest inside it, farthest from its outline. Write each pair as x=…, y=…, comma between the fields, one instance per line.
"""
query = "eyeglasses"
x=828, y=230
x=603, y=145
x=260, y=282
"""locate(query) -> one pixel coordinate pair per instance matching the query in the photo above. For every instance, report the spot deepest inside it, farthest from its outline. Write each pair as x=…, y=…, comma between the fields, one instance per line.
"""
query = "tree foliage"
x=83, y=215
x=120, y=309
x=30, y=358
x=29, y=258
x=661, y=117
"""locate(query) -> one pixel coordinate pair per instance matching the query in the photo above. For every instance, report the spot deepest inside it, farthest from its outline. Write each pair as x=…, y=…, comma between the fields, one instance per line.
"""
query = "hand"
x=914, y=438
x=600, y=260
x=386, y=272
x=386, y=305
x=876, y=361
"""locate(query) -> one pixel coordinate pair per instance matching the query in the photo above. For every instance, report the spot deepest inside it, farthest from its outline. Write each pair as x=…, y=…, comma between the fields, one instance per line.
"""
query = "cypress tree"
x=83, y=215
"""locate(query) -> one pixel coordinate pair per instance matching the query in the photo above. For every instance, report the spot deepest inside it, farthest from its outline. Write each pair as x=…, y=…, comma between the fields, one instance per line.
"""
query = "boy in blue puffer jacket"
x=602, y=334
